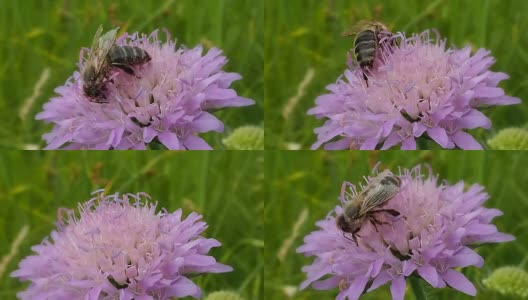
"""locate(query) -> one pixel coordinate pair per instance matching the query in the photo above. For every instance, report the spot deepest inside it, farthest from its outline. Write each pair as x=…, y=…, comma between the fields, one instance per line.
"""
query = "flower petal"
x=398, y=288
x=465, y=257
x=497, y=237
x=393, y=139
x=170, y=140
x=458, y=281
x=418, y=129
x=474, y=119
x=465, y=141
x=504, y=100
x=380, y=280
x=429, y=274
x=183, y=287
x=341, y=144
x=326, y=284
x=221, y=103
x=488, y=92
x=375, y=267
x=369, y=144
x=408, y=267
x=356, y=288
x=193, y=142
x=409, y=144
x=439, y=135
x=207, y=122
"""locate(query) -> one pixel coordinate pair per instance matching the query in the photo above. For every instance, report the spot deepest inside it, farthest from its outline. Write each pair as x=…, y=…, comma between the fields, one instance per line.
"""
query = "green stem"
x=421, y=143
x=417, y=287
x=156, y=145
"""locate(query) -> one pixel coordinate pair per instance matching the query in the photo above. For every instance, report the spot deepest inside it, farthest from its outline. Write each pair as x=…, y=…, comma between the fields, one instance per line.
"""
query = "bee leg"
x=366, y=78
x=373, y=222
x=354, y=237
x=350, y=239
x=127, y=68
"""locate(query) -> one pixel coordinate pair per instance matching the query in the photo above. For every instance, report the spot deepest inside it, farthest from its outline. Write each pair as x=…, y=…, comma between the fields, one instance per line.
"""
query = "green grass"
x=309, y=183
x=47, y=35
x=304, y=35
x=227, y=188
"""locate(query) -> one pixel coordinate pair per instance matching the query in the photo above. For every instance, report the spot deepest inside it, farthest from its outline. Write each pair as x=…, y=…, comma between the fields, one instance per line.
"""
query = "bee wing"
x=95, y=43
x=377, y=196
x=380, y=190
x=365, y=25
x=97, y=36
x=359, y=26
x=101, y=46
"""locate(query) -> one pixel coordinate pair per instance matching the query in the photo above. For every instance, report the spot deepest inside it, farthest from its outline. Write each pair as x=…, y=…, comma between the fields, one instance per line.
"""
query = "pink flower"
x=120, y=248
x=418, y=88
x=170, y=103
x=438, y=226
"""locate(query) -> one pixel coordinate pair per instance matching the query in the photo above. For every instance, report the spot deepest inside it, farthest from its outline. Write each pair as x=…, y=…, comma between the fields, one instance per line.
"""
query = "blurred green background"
x=304, y=52
x=226, y=188
x=302, y=187
x=41, y=40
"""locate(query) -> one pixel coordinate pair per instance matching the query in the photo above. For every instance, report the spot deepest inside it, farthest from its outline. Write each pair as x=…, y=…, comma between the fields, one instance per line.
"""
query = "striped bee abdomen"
x=129, y=55
x=124, y=57
x=365, y=46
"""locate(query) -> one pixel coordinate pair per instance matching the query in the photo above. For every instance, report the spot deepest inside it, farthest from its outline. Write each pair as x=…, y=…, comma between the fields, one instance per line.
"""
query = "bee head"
x=93, y=89
x=342, y=223
x=346, y=224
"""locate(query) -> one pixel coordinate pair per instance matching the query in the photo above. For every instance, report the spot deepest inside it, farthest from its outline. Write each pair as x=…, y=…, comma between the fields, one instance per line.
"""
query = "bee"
x=367, y=35
x=103, y=56
x=364, y=206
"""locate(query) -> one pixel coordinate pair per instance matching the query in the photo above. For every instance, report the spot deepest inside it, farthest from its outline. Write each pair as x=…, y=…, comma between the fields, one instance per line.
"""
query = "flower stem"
x=156, y=145
x=417, y=287
x=421, y=143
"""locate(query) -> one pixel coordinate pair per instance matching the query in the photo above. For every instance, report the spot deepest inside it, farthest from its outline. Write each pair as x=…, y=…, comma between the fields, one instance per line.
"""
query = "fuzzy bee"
x=103, y=56
x=368, y=203
x=367, y=36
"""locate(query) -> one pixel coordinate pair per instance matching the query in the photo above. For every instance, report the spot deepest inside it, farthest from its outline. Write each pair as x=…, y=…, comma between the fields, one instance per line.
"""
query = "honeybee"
x=367, y=35
x=103, y=56
x=362, y=207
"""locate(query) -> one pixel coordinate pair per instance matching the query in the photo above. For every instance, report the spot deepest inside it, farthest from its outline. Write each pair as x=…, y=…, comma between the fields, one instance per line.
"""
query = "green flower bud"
x=245, y=138
x=224, y=295
x=508, y=281
x=510, y=139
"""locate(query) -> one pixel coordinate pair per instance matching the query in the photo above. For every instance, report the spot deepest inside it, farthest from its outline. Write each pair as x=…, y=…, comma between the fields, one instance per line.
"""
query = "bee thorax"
x=352, y=210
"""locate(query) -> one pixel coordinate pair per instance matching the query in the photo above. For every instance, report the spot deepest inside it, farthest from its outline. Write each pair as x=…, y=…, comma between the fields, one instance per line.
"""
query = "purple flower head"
x=169, y=101
x=119, y=248
x=434, y=234
x=417, y=88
